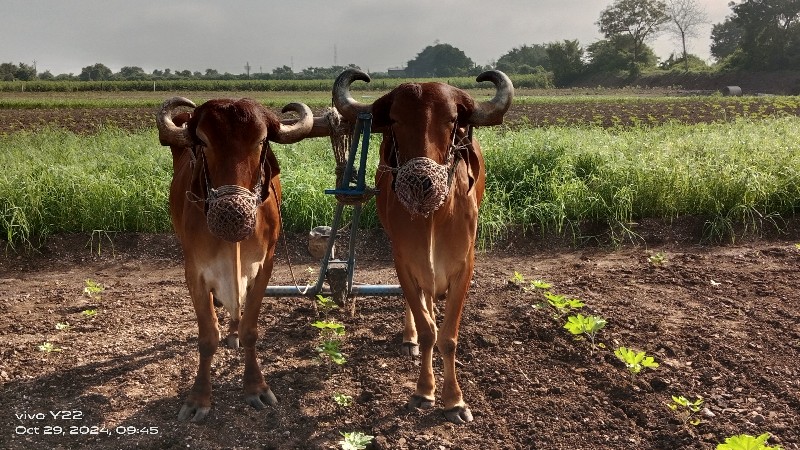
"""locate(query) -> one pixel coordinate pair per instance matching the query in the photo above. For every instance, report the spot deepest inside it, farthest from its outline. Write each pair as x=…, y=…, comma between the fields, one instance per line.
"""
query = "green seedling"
x=330, y=347
x=658, y=259
x=747, y=442
x=588, y=325
x=686, y=409
x=90, y=313
x=635, y=361
x=329, y=327
x=62, y=326
x=342, y=400
x=562, y=304
x=540, y=284
x=355, y=440
x=93, y=289
x=48, y=347
x=331, y=350
x=517, y=279
x=326, y=304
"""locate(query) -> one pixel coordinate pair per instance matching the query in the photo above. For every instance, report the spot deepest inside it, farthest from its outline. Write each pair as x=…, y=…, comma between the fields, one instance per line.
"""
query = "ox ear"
x=380, y=112
x=465, y=106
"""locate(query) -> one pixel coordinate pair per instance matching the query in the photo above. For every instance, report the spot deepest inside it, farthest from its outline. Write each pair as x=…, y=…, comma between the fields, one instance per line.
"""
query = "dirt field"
x=721, y=321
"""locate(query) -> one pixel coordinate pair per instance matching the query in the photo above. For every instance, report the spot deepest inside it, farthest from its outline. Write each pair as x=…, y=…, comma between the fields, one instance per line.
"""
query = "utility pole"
x=247, y=68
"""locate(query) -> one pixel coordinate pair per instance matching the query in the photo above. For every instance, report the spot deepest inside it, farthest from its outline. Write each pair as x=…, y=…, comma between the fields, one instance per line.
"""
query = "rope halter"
x=231, y=209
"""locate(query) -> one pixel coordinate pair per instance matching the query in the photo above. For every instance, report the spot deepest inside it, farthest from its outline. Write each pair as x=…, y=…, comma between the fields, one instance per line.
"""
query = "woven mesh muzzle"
x=421, y=185
x=231, y=213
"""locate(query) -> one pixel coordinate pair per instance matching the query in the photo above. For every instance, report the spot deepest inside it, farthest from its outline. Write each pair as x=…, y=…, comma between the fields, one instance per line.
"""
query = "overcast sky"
x=65, y=36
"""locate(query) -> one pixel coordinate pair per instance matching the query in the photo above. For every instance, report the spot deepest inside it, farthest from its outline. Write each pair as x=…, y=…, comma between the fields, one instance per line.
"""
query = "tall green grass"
x=550, y=180
x=745, y=173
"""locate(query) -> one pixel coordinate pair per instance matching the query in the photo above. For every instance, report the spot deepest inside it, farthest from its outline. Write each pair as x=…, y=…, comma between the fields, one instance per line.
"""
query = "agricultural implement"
x=351, y=192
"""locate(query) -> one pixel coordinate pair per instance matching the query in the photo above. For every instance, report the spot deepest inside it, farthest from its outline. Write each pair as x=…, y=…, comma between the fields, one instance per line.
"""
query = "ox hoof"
x=459, y=415
x=419, y=402
x=232, y=341
x=261, y=400
x=193, y=413
x=409, y=349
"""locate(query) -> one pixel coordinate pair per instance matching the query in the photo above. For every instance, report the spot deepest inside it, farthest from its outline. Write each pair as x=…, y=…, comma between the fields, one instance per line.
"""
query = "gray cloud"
x=64, y=37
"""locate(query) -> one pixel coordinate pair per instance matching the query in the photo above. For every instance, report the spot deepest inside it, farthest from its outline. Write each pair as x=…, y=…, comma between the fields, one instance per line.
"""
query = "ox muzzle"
x=422, y=185
x=231, y=212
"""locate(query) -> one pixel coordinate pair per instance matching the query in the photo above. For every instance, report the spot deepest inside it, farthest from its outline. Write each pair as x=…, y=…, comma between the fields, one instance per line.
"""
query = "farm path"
x=722, y=322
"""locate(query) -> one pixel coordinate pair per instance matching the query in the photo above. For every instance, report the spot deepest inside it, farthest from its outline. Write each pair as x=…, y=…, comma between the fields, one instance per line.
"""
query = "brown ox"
x=224, y=203
x=431, y=182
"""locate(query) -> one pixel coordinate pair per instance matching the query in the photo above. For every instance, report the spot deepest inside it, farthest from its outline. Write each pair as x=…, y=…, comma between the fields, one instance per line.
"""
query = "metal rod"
x=372, y=290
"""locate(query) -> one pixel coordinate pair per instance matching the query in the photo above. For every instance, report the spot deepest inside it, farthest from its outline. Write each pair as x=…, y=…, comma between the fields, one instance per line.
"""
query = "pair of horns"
x=485, y=114
x=171, y=134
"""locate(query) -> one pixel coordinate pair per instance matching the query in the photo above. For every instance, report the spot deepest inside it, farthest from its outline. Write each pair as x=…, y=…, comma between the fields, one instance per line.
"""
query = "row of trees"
x=759, y=34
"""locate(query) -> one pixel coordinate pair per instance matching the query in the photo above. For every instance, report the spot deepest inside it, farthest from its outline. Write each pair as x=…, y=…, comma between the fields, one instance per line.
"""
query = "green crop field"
x=578, y=166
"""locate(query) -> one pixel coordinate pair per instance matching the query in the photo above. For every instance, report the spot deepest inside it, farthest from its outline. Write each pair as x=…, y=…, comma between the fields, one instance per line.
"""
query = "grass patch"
x=737, y=176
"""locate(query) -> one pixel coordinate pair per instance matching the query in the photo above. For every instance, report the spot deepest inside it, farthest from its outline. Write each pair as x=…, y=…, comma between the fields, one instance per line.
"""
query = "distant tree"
x=283, y=73
x=638, y=19
x=616, y=54
x=677, y=62
x=566, y=61
x=46, y=75
x=440, y=60
x=7, y=71
x=211, y=74
x=25, y=72
x=524, y=59
x=685, y=16
x=97, y=72
x=725, y=39
x=770, y=33
x=324, y=73
x=131, y=73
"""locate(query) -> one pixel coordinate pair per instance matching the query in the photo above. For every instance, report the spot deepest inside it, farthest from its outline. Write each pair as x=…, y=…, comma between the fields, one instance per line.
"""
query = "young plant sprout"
x=686, y=409
x=635, y=361
x=588, y=325
x=355, y=440
x=562, y=304
x=747, y=442
x=48, y=347
x=330, y=347
x=342, y=400
x=93, y=289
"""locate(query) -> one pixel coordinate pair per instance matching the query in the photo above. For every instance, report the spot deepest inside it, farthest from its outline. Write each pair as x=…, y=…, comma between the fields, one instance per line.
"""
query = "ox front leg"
x=410, y=345
x=456, y=410
x=198, y=404
x=257, y=392
x=425, y=325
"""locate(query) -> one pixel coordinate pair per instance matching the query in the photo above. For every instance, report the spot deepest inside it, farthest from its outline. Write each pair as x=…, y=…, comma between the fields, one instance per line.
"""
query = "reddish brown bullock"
x=431, y=182
x=224, y=203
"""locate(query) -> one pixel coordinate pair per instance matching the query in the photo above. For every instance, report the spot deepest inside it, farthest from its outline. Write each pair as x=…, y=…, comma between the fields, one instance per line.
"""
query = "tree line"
x=757, y=35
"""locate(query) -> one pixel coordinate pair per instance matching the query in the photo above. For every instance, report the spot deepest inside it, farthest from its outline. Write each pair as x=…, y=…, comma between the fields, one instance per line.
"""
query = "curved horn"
x=344, y=102
x=169, y=133
x=299, y=129
x=491, y=112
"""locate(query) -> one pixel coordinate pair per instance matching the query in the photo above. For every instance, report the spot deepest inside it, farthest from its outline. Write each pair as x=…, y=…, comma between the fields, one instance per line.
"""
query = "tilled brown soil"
x=722, y=322
x=566, y=113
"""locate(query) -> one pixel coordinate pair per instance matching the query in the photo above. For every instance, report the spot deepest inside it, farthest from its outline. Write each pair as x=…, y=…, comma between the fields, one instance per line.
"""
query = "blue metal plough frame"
x=338, y=269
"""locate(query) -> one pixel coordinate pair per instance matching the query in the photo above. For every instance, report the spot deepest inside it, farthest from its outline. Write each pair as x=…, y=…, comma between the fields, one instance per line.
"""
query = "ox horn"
x=295, y=130
x=491, y=112
x=169, y=133
x=344, y=102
